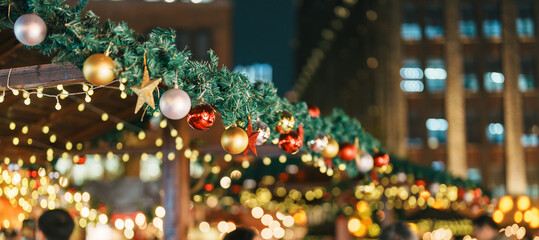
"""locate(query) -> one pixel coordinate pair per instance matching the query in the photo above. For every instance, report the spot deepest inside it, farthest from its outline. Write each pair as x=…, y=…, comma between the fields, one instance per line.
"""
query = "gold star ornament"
x=145, y=89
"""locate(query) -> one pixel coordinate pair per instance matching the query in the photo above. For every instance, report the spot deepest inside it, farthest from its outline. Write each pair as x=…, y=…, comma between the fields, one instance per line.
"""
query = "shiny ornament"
x=30, y=29
x=318, y=144
x=347, y=152
x=381, y=159
x=145, y=90
x=252, y=140
x=332, y=149
x=364, y=162
x=264, y=132
x=80, y=160
x=314, y=111
x=201, y=117
x=286, y=122
x=175, y=104
x=234, y=140
x=292, y=141
x=98, y=69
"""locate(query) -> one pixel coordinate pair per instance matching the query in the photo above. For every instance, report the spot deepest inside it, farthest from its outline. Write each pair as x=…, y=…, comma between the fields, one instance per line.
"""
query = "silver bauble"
x=175, y=104
x=318, y=144
x=30, y=29
x=263, y=130
x=364, y=162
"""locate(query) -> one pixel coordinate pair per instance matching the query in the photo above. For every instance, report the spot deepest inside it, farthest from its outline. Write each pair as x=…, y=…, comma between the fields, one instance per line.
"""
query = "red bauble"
x=81, y=160
x=201, y=117
x=314, y=111
x=291, y=141
x=208, y=187
x=381, y=159
x=347, y=152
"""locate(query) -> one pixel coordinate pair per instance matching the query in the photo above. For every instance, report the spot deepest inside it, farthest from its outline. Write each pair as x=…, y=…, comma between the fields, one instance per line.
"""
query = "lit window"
x=468, y=28
x=526, y=80
x=492, y=27
x=113, y=166
x=495, y=133
x=410, y=29
x=474, y=175
x=412, y=76
x=438, y=165
x=493, y=81
x=257, y=72
x=63, y=165
x=150, y=169
x=469, y=77
x=529, y=140
x=92, y=169
x=433, y=23
x=524, y=22
x=437, y=129
x=435, y=75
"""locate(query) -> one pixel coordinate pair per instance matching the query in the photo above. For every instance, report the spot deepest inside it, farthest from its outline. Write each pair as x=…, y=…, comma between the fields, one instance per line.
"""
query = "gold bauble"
x=98, y=69
x=234, y=140
x=332, y=149
x=286, y=122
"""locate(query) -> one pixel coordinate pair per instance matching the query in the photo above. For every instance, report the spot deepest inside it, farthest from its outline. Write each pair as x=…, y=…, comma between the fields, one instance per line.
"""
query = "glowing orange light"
x=518, y=217
x=497, y=216
x=353, y=225
x=523, y=203
x=362, y=206
x=506, y=204
x=424, y=194
x=300, y=218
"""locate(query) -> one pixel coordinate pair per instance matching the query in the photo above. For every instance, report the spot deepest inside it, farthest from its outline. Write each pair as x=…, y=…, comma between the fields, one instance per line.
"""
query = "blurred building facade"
x=452, y=84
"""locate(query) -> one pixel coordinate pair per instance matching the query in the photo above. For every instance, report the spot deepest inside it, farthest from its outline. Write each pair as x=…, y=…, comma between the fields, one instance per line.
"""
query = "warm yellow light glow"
x=103, y=218
x=505, y=204
x=497, y=216
x=119, y=224
x=140, y=219
x=160, y=212
x=353, y=225
x=257, y=212
x=518, y=216
x=104, y=117
x=523, y=203
x=204, y=227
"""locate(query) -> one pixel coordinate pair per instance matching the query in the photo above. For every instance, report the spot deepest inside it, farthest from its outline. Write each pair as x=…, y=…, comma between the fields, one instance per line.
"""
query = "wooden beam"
x=47, y=75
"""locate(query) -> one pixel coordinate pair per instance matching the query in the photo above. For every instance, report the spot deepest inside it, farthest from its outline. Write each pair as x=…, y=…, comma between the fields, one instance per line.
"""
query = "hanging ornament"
x=318, y=144
x=201, y=117
x=98, y=69
x=80, y=160
x=332, y=149
x=364, y=162
x=145, y=89
x=234, y=140
x=30, y=29
x=264, y=132
x=381, y=159
x=314, y=111
x=347, y=152
x=292, y=141
x=286, y=122
x=252, y=140
x=175, y=103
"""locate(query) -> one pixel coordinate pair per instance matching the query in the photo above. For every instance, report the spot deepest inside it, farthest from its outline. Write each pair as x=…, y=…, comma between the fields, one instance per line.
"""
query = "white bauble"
x=175, y=104
x=30, y=29
x=365, y=162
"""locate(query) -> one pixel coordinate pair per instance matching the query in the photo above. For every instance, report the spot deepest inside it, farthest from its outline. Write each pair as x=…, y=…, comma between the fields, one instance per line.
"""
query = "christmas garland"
x=74, y=35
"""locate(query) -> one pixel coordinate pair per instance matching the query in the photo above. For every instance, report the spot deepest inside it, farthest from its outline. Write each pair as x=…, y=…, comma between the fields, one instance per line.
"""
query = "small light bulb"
x=15, y=92
x=45, y=129
x=123, y=95
x=58, y=106
x=91, y=92
x=87, y=98
x=85, y=87
x=120, y=126
x=104, y=117
x=24, y=130
x=39, y=94
x=25, y=94
x=12, y=125
x=27, y=101
x=81, y=107
x=121, y=87
x=60, y=87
